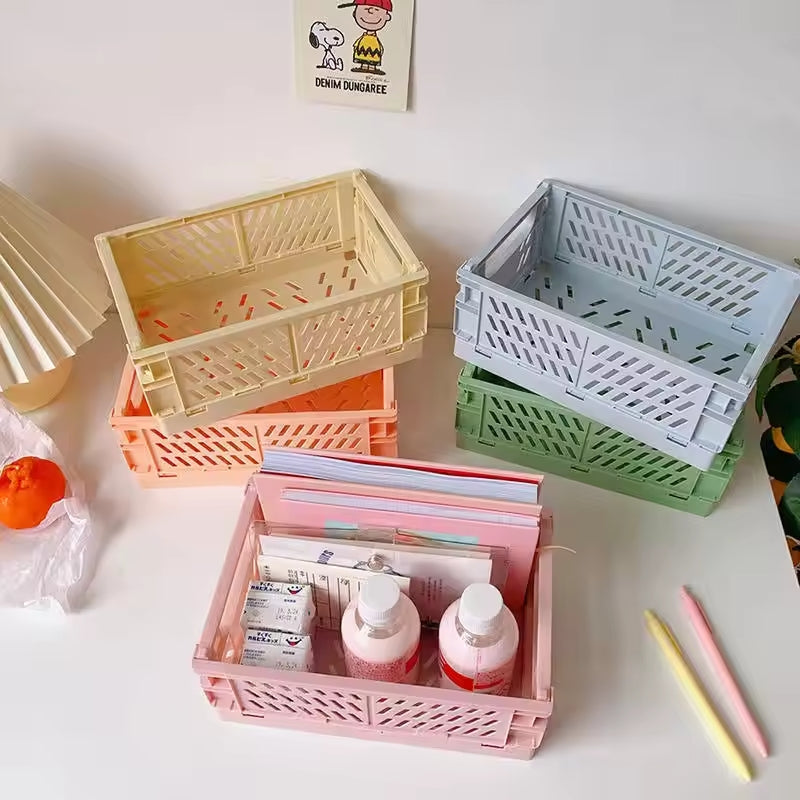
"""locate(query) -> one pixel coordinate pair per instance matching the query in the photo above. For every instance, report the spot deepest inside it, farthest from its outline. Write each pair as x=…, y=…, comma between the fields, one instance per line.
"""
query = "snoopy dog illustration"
x=327, y=38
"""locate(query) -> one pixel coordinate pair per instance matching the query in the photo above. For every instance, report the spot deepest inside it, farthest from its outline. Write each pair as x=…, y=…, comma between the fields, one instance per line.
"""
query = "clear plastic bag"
x=43, y=567
x=439, y=569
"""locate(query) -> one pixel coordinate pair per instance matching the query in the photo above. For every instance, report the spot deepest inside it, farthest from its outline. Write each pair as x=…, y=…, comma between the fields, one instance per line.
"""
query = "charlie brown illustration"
x=371, y=16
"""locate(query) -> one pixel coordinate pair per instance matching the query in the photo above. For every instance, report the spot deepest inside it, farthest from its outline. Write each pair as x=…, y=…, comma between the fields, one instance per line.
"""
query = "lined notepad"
x=306, y=465
x=420, y=509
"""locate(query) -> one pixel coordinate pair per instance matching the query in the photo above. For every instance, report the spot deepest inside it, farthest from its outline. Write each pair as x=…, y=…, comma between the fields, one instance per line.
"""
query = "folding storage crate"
x=357, y=416
x=511, y=726
x=255, y=301
x=654, y=330
x=504, y=421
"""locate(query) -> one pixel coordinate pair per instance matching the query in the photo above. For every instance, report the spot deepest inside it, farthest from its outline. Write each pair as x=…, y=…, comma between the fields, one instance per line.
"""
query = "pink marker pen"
x=702, y=627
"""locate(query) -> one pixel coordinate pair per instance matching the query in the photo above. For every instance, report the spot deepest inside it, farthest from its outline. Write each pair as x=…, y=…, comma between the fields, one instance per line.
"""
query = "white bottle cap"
x=480, y=608
x=378, y=600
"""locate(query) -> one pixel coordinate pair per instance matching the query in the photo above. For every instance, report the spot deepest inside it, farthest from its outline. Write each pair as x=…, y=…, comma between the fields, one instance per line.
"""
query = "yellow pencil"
x=696, y=694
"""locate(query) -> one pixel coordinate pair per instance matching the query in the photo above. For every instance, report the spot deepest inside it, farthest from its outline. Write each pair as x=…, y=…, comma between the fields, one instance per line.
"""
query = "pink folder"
x=501, y=523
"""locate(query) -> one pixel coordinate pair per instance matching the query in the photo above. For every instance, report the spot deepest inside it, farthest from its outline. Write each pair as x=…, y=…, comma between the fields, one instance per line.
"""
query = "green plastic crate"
x=505, y=421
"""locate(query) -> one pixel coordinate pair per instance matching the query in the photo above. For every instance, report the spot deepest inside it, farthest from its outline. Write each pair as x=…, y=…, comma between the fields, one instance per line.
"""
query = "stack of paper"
x=331, y=468
x=438, y=575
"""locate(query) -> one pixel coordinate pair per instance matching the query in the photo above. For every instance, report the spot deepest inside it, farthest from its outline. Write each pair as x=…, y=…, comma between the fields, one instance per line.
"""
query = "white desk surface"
x=103, y=704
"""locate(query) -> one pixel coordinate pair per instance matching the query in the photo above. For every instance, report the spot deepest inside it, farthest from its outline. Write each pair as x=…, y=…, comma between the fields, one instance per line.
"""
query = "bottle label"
x=495, y=681
x=401, y=670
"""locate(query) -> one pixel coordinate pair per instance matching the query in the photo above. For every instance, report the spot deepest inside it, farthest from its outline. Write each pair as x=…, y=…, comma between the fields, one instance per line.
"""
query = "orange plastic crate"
x=357, y=416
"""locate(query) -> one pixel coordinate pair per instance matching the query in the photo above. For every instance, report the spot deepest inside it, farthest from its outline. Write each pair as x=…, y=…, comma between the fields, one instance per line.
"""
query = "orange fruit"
x=28, y=488
x=778, y=488
x=780, y=441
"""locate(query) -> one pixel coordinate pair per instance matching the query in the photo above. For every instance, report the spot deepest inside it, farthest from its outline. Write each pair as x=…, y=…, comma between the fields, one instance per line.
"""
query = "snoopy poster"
x=355, y=53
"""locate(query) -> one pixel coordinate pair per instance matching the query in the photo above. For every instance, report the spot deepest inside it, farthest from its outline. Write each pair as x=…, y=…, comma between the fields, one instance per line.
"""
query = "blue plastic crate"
x=649, y=328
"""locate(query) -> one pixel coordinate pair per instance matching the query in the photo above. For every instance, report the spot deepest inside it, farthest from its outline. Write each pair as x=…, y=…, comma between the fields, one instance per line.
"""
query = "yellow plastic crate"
x=258, y=300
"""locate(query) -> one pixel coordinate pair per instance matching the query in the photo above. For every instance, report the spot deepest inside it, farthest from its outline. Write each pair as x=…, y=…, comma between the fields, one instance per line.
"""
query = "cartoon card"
x=355, y=53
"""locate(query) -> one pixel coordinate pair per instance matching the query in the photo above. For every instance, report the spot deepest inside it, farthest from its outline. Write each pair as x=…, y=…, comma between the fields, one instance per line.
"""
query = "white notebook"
x=330, y=468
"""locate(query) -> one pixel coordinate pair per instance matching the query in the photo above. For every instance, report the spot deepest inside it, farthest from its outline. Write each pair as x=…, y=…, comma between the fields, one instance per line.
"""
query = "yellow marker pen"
x=697, y=695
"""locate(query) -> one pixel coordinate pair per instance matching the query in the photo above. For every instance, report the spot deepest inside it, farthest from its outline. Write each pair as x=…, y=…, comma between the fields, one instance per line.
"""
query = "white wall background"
x=111, y=113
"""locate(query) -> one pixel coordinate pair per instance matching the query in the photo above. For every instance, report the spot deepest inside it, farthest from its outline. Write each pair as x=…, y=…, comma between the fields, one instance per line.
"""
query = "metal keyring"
x=375, y=563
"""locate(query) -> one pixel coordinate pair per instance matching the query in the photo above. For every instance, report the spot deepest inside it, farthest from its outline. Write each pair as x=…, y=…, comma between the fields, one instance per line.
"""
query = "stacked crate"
x=274, y=319
x=357, y=416
x=614, y=347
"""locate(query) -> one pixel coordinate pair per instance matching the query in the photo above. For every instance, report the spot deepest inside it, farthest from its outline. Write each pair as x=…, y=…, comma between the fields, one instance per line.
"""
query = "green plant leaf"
x=789, y=508
x=782, y=403
x=791, y=433
x=781, y=466
x=790, y=349
x=767, y=377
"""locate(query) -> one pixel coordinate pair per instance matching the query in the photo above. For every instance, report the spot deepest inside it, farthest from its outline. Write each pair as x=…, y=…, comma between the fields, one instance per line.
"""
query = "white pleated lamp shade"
x=52, y=290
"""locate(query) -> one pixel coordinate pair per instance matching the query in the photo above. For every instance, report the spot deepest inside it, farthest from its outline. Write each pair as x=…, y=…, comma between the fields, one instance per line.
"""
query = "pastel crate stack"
x=270, y=320
x=614, y=348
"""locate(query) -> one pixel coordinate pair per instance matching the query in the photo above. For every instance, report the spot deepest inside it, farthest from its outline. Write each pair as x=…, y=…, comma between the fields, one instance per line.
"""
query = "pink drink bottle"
x=478, y=640
x=380, y=633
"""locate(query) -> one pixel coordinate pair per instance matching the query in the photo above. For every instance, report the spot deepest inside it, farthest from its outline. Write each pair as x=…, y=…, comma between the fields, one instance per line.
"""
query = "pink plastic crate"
x=357, y=416
x=512, y=726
